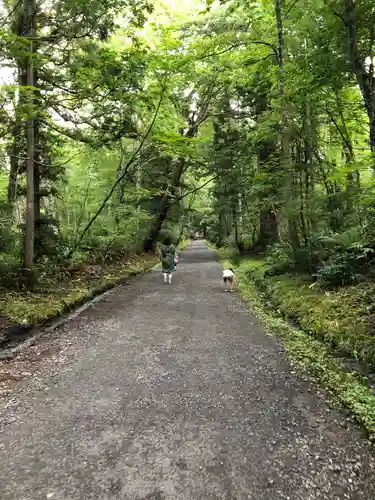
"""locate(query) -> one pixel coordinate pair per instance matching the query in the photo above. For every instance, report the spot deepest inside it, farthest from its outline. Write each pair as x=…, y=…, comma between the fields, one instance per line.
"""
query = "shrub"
x=339, y=270
x=247, y=241
x=10, y=271
x=279, y=259
x=229, y=241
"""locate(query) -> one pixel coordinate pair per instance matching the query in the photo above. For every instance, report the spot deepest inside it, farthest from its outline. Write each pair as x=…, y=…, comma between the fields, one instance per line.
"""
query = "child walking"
x=229, y=279
x=168, y=252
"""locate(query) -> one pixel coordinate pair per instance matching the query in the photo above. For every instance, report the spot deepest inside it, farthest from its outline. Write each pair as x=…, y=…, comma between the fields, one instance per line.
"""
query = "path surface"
x=174, y=392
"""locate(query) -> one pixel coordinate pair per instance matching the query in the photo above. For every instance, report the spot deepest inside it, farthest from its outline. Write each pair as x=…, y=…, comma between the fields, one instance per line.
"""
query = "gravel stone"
x=172, y=392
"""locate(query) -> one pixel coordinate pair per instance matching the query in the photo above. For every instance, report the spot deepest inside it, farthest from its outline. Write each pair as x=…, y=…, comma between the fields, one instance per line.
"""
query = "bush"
x=47, y=240
x=339, y=270
x=279, y=260
x=167, y=233
x=229, y=241
x=9, y=239
x=211, y=235
x=335, y=259
x=247, y=241
x=10, y=271
x=348, y=265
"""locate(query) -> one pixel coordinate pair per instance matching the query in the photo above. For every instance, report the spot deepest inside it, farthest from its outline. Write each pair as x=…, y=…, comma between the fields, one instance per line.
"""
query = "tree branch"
x=290, y=7
x=267, y=44
x=120, y=177
x=231, y=47
x=195, y=189
x=345, y=139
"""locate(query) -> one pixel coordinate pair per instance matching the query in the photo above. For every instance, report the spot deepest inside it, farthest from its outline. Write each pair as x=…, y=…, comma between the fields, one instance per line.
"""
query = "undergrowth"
x=322, y=317
x=55, y=294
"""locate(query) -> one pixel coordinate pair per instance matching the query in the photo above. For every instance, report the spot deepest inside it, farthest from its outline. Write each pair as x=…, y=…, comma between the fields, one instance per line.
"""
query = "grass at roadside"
x=341, y=318
x=183, y=244
x=55, y=296
x=309, y=345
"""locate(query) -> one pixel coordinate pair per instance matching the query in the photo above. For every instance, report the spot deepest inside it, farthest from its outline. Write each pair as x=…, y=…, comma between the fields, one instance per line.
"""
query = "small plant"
x=338, y=271
x=10, y=271
x=279, y=260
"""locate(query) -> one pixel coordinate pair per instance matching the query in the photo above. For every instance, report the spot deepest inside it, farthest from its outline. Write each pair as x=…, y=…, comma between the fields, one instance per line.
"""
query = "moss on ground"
x=183, y=244
x=328, y=324
x=341, y=318
x=54, y=296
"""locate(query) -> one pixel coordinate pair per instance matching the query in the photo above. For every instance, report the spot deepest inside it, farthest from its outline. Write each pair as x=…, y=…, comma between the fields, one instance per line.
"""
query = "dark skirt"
x=167, y=264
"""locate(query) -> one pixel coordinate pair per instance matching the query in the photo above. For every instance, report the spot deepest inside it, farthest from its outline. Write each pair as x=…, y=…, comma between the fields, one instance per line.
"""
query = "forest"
x=252, y=122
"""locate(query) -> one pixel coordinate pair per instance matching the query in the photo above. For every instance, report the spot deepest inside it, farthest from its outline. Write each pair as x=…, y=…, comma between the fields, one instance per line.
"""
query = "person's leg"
x=165, y=277
x=232, y=285
x=169, y=278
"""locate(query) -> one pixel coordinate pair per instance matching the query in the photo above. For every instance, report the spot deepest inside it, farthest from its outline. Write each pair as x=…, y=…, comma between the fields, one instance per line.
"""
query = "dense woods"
x=300, y=140
x=250, y=121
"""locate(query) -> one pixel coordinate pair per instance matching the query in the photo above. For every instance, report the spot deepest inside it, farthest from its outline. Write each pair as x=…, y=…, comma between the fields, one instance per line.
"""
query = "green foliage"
x=10, y=271
x=279, y=259
x=148, y=123
x=121, y=143
x=8, y=239
x=57, y=296
x=340, y=318
x=151, y=120
x=329, y=326
x=339, y=270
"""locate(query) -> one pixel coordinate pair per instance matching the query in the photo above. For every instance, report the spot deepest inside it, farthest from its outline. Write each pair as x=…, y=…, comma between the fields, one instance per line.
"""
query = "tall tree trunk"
x=30, y=11
x=365, y=77
x=281, y=50
x=269, y=214
x=268, y=229
x=185, y=216
x=235, y=225
x=18, y=129
x=302, y=173
x=14, y=159
x=285, y=160
x=149, y=245
x=281, y=61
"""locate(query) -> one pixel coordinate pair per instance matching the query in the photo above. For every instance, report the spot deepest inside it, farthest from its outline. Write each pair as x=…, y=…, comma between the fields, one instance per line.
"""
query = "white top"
x=227, y=273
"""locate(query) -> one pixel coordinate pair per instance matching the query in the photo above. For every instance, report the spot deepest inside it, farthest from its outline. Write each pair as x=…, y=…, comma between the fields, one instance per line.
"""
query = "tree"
x=30, y=34
x=41, y=45
x=362, y=62
x=260, y=111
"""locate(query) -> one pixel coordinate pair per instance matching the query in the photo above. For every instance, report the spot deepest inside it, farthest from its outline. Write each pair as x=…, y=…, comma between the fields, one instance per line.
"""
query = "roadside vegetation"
x=252, y=123
x=316, y=330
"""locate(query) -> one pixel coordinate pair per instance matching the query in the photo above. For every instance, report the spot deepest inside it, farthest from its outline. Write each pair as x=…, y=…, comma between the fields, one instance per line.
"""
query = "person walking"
x=168, y=252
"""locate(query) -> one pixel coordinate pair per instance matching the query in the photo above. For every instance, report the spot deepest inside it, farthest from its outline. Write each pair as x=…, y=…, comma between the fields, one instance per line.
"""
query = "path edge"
x=31, y=333
x=348, y=389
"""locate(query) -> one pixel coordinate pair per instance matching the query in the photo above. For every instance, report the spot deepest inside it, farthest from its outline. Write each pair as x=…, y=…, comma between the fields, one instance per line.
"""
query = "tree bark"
x=268, y=217
x=285, y=159
x=149, y=244
x=18, y=129
x=365, y=78
x=268, y=229
x=30, y=11
x=13, y=173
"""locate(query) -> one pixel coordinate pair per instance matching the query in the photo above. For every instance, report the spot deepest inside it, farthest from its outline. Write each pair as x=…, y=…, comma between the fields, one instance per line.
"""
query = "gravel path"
x=173, y=392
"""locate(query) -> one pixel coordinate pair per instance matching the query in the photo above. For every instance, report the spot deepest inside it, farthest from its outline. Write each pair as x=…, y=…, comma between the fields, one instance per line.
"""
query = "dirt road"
x=174, y=392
